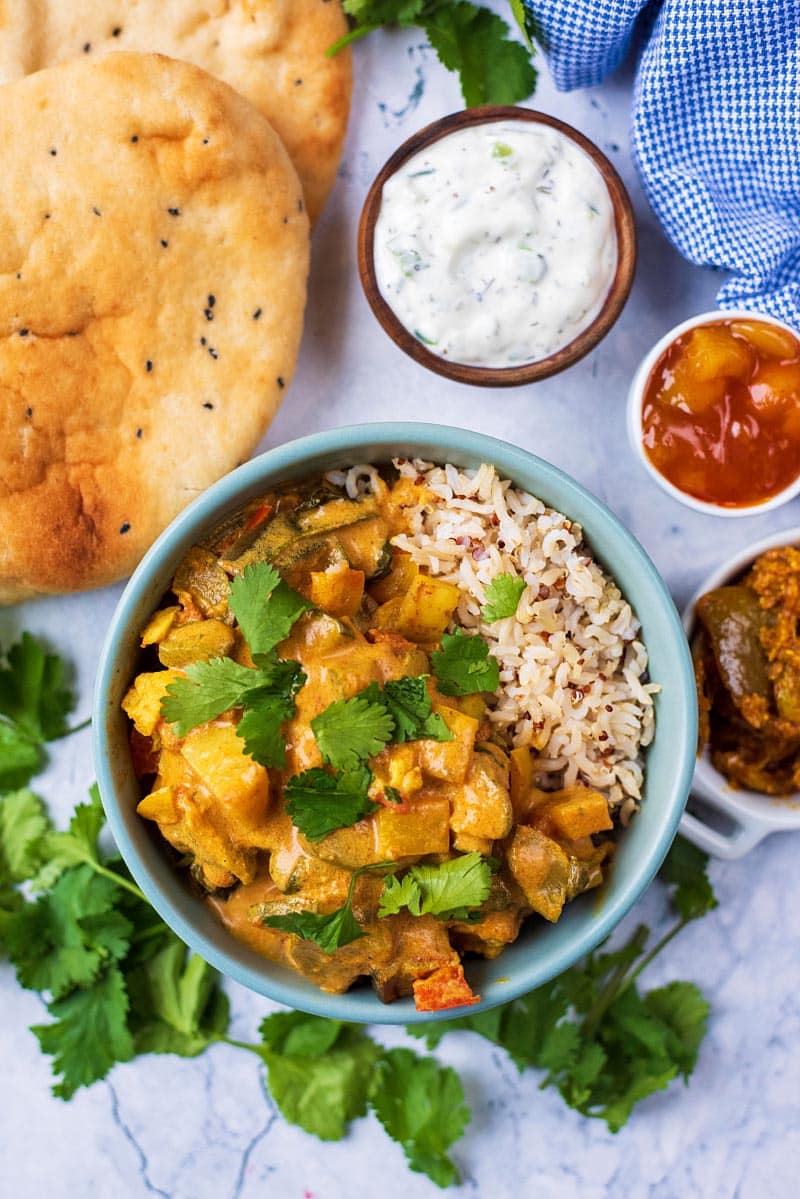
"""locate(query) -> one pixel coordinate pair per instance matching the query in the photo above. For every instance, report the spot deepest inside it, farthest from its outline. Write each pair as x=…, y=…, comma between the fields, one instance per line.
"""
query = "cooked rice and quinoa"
x=572, y=670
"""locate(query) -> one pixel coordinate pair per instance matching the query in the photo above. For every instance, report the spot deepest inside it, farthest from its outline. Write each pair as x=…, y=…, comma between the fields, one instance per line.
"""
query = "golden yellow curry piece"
x=747, y=663
x=454, y=808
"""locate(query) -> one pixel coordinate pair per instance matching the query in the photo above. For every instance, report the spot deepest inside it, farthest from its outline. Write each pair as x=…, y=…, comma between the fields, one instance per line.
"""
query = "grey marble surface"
x=204, y=1129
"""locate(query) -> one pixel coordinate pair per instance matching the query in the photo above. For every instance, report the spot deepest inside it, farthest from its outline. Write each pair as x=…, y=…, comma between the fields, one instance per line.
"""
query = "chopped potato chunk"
x=338, y=590
x=482, y=805
x=574, y=812
x=160, y=806
x=216, y=754
x=195, y=642
x=424, y=829
x=143, y=700
x=449, y=760
x=159, y=625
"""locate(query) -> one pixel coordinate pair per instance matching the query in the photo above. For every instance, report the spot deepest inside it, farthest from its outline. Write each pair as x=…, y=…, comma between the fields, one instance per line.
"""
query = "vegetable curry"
x=747, y=661
x=310, y=728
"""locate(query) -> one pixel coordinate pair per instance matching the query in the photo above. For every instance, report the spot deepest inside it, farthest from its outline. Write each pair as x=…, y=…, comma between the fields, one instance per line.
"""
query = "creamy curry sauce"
x=377, y=617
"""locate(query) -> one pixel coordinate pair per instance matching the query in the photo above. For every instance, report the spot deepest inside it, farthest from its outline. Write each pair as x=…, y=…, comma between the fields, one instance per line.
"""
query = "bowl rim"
x=771, y=812
x=528, y=372
x=287, y=461
x=634, y=414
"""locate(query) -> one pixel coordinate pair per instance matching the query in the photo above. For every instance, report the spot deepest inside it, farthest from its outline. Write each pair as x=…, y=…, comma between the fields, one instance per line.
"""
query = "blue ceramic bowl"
x=543, y=950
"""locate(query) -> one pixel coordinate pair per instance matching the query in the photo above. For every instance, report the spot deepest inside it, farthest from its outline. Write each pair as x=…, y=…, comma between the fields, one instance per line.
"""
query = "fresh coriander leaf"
x=421, y=1105
x=32, y=691
x=319, y=1071
x=89, y=1034
x=350, y=731
x=635, y=1030
x=208, y=690
x=176, y=1003
x=409, y=704
x=474, y=41
x=260, y=727
x=319, y=802
x=502, y=597
x=298, y=1034
x=66, y=936
x=486, y=1024
x=532, y=1029
x=616, y=1111
x=464, y=666
x=683, y=1009
x=10, y=903
x=533, y=1032
x=449, y=890
x=23, y=825
x=20, y=759
x=686, y=869
x=330, y=932
x=575, y=1085
x=399, y=893
x=265, y=607
x=74, y=847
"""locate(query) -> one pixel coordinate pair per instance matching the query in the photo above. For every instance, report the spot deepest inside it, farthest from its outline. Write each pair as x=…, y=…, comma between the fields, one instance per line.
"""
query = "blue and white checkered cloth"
x=715, y=125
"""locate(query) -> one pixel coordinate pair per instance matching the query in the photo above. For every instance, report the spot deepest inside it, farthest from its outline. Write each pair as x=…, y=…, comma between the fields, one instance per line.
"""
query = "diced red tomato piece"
x=445, y=988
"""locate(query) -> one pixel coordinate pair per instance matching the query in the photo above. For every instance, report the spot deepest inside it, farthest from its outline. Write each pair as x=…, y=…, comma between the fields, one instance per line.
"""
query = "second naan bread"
x=153, y=261
x=271, y=51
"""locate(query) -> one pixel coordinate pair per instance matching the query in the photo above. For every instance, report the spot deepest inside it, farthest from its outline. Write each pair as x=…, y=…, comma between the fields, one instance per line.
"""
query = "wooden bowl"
x=529, y=372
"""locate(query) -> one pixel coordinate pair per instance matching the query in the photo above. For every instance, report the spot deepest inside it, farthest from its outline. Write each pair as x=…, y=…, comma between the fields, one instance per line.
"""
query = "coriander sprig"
x=266, y=609
x=603, y=1044
x=34, y=704
x=319, y=803
x=451, y=890
x=468, y=39
x=464, y=666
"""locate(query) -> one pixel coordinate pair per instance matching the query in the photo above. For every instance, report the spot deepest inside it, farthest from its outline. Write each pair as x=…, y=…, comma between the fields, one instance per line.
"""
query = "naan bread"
x=271, y=51
x=153, y=262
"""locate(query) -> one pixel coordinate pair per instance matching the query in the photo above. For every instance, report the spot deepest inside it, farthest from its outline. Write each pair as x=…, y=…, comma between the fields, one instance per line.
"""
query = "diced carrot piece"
x=445, y=988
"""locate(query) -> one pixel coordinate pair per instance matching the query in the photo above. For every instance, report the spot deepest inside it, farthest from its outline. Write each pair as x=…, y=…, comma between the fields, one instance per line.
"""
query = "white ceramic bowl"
x=746, y=816
x=636, y=395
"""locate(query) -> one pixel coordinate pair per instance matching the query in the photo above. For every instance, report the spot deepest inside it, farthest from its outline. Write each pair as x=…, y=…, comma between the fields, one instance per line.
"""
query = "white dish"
x=749, y=815
x=634, y=416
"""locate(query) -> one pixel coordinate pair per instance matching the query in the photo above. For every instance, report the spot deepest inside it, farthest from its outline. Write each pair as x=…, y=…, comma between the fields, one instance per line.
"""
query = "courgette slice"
x=335, y=514
x=200, y=577
x=280, y=531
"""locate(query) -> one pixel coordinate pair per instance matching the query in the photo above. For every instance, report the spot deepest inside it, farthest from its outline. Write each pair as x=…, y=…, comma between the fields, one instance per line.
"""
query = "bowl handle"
x=746, y=832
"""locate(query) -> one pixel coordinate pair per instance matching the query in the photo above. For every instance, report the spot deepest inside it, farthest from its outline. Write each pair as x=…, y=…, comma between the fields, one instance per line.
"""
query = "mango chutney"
x=721, y=412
